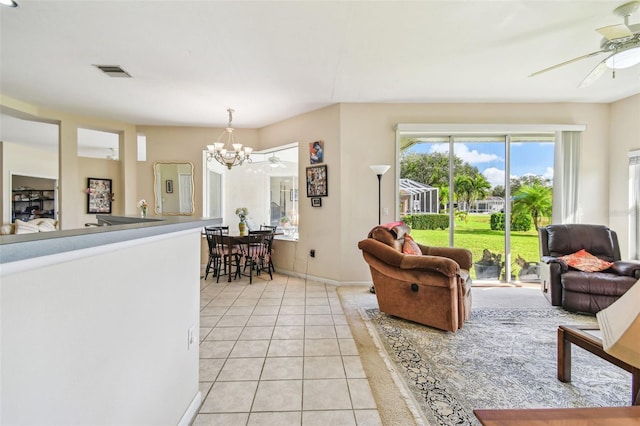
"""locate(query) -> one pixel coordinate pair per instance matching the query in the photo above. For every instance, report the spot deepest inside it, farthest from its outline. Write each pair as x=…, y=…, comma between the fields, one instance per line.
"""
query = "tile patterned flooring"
x=279, y=352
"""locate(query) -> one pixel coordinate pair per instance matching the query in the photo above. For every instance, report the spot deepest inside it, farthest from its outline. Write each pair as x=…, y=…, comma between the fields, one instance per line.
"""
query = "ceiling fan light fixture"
x=625, y=59
x=8, y=3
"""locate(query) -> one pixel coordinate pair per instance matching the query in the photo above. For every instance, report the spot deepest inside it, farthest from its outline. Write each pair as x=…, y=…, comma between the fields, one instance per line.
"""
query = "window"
x=634, y=205
x=267, y=187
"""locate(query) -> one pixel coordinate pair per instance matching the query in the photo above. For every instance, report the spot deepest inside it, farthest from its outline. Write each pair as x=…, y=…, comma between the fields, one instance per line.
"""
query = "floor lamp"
x=379, y=170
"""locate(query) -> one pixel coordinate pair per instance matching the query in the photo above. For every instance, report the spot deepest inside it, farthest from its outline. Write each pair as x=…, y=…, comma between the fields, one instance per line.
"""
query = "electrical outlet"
x=312, y=253
x=191, y=337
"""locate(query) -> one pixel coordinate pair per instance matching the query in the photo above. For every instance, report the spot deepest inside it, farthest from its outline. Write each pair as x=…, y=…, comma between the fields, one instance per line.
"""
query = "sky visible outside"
x=527, y=158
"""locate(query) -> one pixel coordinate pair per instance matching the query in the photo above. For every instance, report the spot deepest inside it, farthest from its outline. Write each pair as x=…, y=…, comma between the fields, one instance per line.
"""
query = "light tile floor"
x=279, y=352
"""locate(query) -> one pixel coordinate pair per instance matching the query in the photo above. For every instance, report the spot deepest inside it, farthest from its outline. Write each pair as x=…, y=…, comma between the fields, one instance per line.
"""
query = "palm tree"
x=536, y=200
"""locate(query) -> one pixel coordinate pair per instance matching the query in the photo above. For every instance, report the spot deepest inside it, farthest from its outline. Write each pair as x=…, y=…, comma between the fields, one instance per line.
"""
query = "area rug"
x=501, y=358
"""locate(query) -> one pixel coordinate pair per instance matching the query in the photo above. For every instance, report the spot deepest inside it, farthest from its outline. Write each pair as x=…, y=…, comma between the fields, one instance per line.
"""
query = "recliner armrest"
x=550, y=259
x=629, y=269
x=461, y=256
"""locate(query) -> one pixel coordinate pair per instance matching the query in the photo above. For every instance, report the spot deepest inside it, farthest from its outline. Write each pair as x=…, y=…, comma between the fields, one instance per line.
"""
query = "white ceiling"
x=271, y=60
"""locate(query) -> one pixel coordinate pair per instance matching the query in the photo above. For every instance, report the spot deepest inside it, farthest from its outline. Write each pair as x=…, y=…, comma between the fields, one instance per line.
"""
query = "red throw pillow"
x=410, y=246
x=584, y=261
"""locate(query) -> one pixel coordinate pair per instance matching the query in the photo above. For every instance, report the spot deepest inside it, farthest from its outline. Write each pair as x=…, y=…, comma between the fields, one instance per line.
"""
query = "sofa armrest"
x=629, y=269
x=461, y=256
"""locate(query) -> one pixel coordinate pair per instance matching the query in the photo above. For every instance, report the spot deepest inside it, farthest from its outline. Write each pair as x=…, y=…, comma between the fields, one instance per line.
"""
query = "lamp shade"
x=620, y=325
x=380, y=169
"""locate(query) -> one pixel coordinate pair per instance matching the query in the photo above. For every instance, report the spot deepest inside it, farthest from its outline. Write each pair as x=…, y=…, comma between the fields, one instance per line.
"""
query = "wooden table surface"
x=600, y=416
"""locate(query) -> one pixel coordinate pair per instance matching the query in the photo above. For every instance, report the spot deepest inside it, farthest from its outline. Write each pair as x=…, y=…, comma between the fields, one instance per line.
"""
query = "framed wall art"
x=99, y=195
x=316, y=152
x=317, y=181
x=316, y=202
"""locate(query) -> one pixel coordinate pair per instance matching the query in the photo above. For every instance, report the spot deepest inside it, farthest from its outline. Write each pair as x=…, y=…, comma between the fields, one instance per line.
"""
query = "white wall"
x=624, y=136
x=103, y=339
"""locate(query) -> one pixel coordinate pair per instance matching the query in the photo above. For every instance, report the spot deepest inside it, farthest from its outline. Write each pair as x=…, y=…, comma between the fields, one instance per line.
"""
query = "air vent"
x=113, y=71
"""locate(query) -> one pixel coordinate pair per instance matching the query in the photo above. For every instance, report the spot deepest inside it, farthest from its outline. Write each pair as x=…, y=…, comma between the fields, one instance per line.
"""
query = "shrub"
x=427, y=221
x=519, y=222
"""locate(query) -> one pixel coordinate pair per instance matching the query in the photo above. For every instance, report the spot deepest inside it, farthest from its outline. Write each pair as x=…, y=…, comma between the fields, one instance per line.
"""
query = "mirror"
x=173, y=188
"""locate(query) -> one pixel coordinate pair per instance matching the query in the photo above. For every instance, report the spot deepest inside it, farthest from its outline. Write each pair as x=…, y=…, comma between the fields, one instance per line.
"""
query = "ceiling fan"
x=621, y=43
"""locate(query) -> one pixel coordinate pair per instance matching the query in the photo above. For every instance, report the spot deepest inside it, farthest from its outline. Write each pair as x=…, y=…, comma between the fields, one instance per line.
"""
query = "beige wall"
x=72, y=201
x=320, y=228
x=102, y=169
x=358, y=135
x=624, y=136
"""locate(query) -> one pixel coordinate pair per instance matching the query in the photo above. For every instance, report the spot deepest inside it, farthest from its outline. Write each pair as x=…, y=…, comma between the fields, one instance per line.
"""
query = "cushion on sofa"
x=7, y=229
x=26, y=227
x=30, y=227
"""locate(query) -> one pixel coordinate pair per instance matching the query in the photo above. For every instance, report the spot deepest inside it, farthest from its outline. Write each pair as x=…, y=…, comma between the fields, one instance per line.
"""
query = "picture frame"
x=99, y=195
x=294, y=195
x=316, y=152
x=316, y=202
x=168, y=186
x=317, y=181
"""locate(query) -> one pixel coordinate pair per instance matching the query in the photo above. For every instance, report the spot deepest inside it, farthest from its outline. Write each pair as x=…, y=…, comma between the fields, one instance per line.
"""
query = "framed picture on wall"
x=317, y=181
x=316, y=202
x=99, y=195
x=316, y=152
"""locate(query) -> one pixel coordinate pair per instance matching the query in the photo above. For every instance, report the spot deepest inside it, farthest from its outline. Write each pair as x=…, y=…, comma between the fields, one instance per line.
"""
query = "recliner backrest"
x=560, y=240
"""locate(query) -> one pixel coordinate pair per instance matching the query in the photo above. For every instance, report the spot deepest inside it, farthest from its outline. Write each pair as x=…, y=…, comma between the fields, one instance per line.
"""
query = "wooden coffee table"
x=580, y=336
x=600, y=416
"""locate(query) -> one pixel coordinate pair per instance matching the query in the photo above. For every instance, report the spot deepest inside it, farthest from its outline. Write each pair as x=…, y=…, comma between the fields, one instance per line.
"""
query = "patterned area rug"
x=501, y=358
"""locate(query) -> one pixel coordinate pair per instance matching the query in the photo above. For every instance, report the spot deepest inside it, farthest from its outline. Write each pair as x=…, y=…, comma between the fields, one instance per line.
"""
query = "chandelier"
x=227, y=151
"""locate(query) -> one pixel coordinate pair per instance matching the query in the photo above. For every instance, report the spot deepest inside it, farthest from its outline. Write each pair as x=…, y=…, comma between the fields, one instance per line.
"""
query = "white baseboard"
x=324, y=280
x=192, y=410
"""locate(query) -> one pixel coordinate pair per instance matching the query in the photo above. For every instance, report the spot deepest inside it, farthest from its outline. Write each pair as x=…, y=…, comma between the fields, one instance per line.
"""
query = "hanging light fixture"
x=227, y=151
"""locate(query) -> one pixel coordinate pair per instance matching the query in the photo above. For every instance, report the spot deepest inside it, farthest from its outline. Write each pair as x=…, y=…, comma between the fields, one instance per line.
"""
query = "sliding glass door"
x=481, y=182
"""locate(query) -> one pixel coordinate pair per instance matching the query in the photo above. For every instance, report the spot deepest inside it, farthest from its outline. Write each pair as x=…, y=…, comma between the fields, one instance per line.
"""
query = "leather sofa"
x=576, y=290
x=432, y=288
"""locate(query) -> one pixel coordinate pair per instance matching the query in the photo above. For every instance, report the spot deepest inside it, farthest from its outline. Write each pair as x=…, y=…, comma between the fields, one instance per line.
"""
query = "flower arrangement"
x=242, y=213
x=143, y=206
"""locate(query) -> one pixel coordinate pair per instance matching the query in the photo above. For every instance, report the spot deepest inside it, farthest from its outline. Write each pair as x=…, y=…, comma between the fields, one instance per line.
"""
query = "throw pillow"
x=582, y=260
x=26, y=227
x=46, y=227
x=410, y=246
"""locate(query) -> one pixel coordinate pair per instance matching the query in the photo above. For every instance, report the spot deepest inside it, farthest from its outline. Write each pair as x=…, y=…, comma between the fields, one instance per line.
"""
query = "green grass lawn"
x=475, y=234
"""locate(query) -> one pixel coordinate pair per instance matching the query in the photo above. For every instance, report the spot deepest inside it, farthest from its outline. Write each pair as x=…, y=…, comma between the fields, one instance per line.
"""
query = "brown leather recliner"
x=579, y=291
x=432, y=289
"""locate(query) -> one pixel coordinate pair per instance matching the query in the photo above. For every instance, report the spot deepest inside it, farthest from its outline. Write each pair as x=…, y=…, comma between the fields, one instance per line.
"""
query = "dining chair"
x=219, y=254
x=269, y=228
x=256, y=253
x=273, y=230
x=214, y=262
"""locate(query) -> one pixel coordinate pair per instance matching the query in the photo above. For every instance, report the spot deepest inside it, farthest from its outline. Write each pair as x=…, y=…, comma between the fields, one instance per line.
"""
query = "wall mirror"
x=173, y=188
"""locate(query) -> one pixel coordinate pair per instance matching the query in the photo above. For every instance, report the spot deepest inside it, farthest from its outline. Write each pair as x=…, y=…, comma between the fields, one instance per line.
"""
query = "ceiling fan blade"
x=567, y=62
x=595, y=73
x=613, y=32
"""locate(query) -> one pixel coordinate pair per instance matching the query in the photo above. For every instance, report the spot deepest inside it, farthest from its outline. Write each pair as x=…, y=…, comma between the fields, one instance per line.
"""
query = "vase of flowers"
x=242, y=213
x=143, y=207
